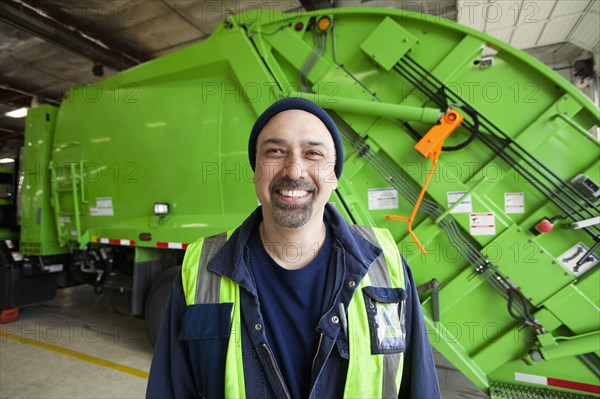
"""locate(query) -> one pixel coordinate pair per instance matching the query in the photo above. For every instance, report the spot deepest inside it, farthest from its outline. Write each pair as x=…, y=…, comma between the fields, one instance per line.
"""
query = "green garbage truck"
x=503, y=242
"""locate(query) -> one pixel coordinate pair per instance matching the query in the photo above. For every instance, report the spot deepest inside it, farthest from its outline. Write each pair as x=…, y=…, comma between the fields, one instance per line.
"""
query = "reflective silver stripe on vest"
x=380, y=277
x=378, y=272
x=208, y=284
x=391, y=363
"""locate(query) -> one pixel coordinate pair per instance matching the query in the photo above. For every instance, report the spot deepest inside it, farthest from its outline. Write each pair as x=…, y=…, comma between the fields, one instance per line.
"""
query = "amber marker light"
x=324, y=23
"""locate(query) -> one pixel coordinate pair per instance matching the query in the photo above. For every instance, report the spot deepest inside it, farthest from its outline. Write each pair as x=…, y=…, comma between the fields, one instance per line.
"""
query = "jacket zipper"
x=285, y=390
x=317, y=354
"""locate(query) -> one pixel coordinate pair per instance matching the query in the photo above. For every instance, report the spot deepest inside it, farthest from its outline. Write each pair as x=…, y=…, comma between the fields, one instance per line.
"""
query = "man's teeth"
x=294, y=193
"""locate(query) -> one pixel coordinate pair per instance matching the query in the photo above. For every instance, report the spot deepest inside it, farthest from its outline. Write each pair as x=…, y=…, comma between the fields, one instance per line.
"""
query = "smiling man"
x=295, y=157
x=295, y=303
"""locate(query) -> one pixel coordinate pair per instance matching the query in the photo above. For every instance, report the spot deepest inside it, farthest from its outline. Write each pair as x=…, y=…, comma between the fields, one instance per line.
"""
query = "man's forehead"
x=296, y=125
x=284, y=141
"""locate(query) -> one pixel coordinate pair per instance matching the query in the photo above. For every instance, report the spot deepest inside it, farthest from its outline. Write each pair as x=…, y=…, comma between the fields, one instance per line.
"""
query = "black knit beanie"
x=304, y=105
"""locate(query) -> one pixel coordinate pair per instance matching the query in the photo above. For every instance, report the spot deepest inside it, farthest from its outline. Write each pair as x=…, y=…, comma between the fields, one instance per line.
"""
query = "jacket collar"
x=231, y=261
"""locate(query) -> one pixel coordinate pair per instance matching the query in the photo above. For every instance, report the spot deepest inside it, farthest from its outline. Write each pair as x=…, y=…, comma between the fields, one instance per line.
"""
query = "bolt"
x=536, y=356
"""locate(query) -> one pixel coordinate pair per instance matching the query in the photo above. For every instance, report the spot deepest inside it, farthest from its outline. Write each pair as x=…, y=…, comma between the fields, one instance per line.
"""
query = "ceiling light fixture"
x=17, y=113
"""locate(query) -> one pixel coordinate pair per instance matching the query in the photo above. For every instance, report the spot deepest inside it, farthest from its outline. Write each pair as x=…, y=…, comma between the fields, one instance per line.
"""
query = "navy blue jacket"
x=189, y=357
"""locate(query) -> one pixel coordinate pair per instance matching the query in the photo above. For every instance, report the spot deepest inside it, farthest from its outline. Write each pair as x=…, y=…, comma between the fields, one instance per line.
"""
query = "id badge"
x=386, y=314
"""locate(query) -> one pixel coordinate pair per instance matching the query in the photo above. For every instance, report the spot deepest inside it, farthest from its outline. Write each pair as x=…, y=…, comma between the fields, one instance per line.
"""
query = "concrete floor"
x=73, y=347
x=76, y=347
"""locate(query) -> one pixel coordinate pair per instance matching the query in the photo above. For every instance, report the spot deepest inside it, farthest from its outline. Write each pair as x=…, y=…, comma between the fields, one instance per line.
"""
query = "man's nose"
x=294, y=169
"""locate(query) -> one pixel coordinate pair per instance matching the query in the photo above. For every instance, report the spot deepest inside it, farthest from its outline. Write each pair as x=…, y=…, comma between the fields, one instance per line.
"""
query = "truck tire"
x=156, y=301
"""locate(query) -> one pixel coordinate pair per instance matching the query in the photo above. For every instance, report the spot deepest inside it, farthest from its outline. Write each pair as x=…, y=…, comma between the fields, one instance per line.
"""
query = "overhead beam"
x=22, y=97
x=14, y=98
x=24, y=18
x=6, y=134
x=311, y=5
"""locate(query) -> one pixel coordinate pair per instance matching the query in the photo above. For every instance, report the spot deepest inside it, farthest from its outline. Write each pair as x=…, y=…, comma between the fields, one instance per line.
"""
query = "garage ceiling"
x=552, y=30
x=48, y=45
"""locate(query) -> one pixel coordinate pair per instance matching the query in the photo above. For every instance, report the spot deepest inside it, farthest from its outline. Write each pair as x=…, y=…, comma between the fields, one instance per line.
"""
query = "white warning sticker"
x=482, y=224
x=53, y=268
x=465, y=206
x=573, y=259
x=383, y=198
x=103, y=207
x=514, y=202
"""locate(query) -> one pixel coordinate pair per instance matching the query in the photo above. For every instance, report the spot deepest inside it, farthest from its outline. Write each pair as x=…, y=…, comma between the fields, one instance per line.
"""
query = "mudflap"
x=19, y=289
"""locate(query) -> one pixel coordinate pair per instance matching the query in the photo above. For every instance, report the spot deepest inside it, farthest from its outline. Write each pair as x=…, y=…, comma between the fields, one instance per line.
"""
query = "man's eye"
x=275, y=151
x=314, y=154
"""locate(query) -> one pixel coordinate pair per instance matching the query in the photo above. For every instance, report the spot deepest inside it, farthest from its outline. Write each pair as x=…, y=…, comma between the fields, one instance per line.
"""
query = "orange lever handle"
x=433, y=141
x=430, y=146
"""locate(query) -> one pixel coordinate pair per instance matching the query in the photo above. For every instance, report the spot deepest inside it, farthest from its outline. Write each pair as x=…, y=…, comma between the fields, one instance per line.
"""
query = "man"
x=295, y=303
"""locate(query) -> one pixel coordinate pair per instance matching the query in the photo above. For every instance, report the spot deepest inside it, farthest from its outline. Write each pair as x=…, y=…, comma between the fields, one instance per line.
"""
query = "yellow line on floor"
x=78, y=355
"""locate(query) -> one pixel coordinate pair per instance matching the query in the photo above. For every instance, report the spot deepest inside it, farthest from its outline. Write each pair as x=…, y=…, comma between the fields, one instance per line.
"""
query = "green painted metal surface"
x=174, y=130
x=6, y=203
x=38, y=219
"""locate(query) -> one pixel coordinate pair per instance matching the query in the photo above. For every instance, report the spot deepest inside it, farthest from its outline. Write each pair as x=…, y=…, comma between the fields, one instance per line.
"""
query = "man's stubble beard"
x=292, y=215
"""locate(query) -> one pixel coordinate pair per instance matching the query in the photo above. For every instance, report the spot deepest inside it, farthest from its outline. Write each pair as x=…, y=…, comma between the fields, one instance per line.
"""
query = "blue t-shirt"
x=292, y=302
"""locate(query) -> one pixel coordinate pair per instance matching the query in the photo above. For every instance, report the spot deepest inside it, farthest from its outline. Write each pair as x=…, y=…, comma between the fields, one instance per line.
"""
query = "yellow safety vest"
x=201, y=286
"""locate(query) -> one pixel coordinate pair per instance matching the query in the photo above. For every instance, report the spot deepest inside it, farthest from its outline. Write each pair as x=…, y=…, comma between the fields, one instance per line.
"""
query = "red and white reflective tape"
x=114, y=241
x=172, y=245
x=554, y=382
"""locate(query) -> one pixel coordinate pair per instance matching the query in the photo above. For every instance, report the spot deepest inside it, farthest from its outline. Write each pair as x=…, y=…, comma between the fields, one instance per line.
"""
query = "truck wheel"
x=156, y=300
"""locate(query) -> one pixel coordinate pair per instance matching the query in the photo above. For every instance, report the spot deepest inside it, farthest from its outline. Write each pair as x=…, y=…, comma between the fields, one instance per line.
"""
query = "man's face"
x=295, y=168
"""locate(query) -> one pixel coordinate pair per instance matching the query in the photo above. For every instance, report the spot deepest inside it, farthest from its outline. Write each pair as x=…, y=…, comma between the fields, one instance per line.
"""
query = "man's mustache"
x=285, y=183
